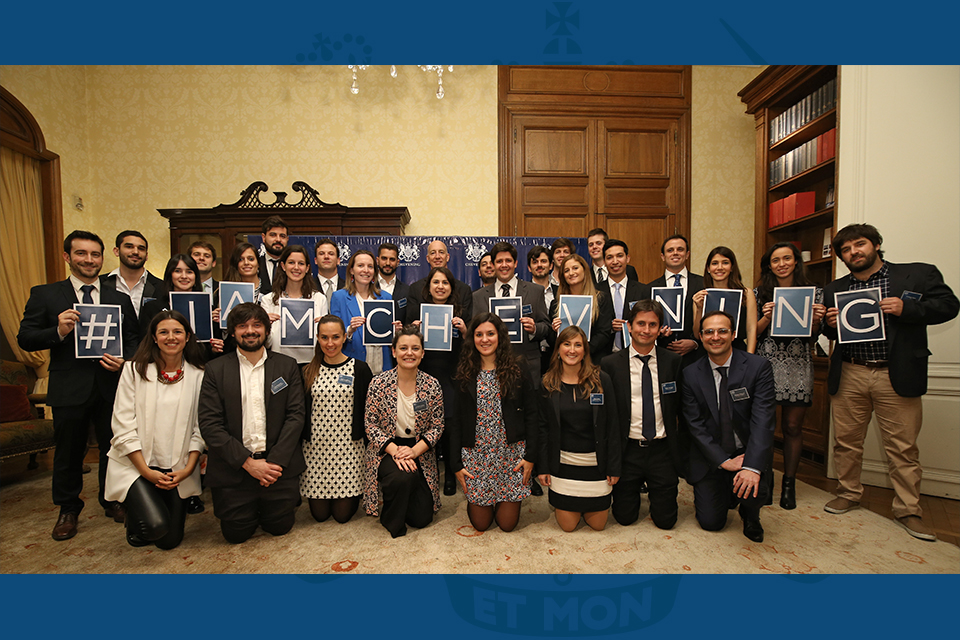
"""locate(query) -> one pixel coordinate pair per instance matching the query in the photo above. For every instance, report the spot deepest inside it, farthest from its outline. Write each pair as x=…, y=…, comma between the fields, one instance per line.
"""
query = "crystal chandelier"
x=355, y=87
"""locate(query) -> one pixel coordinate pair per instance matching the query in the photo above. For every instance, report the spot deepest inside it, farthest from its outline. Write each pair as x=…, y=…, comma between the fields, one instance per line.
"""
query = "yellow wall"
x=136, y=139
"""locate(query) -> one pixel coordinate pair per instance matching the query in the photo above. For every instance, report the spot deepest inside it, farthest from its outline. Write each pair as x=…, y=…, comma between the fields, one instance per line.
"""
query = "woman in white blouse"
x=293, y=281
x=156, y=441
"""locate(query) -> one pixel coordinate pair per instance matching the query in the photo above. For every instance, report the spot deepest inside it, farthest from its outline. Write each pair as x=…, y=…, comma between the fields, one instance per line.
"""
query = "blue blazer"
x=345, y=306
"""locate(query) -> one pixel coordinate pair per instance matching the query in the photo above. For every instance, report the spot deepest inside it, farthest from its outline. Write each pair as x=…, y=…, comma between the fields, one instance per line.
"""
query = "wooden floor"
x=942, y=514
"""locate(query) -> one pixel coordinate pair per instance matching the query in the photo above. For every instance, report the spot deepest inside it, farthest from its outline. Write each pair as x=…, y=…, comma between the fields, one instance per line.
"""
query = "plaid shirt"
x=871, y=350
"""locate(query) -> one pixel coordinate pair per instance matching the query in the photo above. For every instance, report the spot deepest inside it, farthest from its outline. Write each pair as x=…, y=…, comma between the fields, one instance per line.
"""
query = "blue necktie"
x=87, y=295
x=649, y=429
x=676, y=280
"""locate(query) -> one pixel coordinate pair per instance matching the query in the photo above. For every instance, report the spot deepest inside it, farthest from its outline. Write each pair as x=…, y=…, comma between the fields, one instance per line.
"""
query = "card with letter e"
x=726, y=300
x=509, y=310
x=576, y=310
x=232, y=294
x=296, y=323
x=792, y=312
x=378, y=330
x=97, y=331
x=860, y=318
x=436, y=325
x=196, y=306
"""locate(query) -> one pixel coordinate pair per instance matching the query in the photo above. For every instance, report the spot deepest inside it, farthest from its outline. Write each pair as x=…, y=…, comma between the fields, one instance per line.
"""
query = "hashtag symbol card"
x=97, y=331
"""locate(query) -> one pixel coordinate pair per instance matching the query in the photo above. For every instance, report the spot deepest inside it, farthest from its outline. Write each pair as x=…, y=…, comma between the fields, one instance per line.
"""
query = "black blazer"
x=631, y=273
x=220, y=413
x=601, y=331
x=606, y=435
x=153, y=288
x=521, y=419
x=460, y=289
x=906, y=334
x=694, y=284
x=754, y=417
x=401, y=296
x=266, y=285
x=530, y=294
x=635, y=291
x=72, y=382
x=669, y=368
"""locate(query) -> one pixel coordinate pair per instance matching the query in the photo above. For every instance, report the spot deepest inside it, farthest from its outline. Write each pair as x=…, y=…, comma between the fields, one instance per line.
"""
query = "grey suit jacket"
x=531, y=294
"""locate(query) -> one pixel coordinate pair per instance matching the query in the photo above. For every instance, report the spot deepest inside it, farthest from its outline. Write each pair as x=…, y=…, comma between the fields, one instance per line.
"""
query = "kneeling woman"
x=494, y=433
x=404, y=422
x=156, y=442
x=579, y=441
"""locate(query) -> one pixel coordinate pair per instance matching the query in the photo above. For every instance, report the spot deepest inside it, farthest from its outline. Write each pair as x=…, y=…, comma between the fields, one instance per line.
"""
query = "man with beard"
x=274, y=236
x=539, y=263
x=388, y=258
x=251, y=416
x=487, y=273
x=81, y=391
x=132, y=277
x=437, y=256
x=887, y=377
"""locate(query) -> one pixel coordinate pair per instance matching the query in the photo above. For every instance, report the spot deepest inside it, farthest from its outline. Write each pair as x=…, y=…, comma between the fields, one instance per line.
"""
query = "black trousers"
x=654, y=466
x=243, y=507
x=407, y=499
x=712, y=498
x=70, y=428
x=155, y=515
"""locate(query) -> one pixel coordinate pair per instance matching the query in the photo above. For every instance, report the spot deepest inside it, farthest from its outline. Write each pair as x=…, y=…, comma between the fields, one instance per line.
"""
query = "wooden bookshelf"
x=769, y=95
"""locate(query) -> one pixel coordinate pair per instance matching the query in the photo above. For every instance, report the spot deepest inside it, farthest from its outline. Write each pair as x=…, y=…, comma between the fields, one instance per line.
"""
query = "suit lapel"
x=709, y=387
x=69, y=295
x=232, y=394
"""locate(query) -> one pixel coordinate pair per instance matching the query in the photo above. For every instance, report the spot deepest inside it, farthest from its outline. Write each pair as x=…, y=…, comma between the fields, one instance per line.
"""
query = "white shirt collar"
x=497, y=286
x=76, y=283
x=670, y=276
x=253, y=365
x=634, y=353
x=714, y=366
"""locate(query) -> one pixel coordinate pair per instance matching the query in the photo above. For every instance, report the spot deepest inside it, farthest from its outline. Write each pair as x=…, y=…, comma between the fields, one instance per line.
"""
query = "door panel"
x=643, y=236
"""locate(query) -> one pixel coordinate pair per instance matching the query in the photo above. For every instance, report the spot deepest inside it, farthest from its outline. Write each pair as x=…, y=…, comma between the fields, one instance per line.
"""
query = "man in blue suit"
x=729, y=405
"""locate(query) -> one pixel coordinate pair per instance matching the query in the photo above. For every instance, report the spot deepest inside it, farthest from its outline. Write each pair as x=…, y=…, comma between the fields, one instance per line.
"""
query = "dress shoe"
x=788, y=493
x=840, y=505
x=535, y=488
x=753, y=530
x=194, y=505
x=915, y=527
x=136, y=541
x=450, y=485
x=116, y=511
x=66, y=526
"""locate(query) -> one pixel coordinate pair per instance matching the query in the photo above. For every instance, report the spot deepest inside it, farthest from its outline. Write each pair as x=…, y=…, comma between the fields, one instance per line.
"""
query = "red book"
x=804, y=203
x=790, y=208
x=776, y=213
x=830, y=144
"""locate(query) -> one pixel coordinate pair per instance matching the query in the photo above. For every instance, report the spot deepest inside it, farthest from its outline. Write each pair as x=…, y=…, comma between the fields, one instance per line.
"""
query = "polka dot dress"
x=334, y=460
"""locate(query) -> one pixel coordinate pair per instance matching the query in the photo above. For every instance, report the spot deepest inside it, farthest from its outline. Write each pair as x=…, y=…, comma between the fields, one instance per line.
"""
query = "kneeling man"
x=251, y=417
x=729, y=406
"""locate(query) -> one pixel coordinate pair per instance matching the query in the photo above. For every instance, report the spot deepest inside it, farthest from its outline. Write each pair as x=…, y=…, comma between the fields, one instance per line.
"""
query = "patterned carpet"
x=805, y=540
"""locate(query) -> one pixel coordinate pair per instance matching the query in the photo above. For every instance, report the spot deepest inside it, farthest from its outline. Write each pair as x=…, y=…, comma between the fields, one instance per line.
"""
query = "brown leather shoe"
x=66, y=526
x=116, y=511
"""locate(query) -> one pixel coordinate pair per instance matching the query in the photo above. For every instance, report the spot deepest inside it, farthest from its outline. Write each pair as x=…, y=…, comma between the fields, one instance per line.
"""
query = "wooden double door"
x=566, y=173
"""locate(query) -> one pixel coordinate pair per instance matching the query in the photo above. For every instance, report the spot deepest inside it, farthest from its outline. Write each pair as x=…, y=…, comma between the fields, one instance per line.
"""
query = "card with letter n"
x=196, y=306
x=671, y=299
x=378, y=330
x=625, y=329
x=97, y=331
x=232, y=294
x=792, y=312
x=509, y=310
x=726, y=300
x=576, y=310
x=860, y=318
x=296, y=323
x=436, y=325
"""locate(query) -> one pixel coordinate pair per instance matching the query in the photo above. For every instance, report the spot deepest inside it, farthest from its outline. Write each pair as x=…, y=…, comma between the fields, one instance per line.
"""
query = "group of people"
x=598, y=420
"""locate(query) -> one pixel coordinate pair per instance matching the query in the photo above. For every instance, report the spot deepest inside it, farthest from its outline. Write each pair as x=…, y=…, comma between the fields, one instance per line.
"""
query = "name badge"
x=345, y=380
x=278, y=385
x=420, y=405
x=910, y=295
x=526, y=310
x=668, y=387
x=596, y=399
x=145, y=300
x=402, y=303
x=739, y=394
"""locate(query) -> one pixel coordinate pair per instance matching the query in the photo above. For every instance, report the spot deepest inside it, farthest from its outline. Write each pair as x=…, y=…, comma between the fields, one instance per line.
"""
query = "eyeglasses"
x=719, y=332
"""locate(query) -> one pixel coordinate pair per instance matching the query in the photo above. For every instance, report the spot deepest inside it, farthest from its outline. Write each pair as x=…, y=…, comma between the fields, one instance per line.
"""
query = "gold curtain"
x=22, y=259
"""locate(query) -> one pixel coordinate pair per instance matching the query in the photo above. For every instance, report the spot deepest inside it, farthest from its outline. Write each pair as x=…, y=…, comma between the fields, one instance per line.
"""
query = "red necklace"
x=166, y=378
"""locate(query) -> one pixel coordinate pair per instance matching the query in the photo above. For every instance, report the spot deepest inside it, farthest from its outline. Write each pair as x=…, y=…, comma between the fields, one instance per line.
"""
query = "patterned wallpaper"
x=135, y=139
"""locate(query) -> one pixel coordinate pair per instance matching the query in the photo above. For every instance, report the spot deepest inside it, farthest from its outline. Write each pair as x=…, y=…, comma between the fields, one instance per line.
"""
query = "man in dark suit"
x=205, y=255
x=132, y=277
x=596, y=240
x=485, y=268
x=886, y=377
x=646, y=385
x=539, y=264
x=328, y=259
x=274, y=236
x=388, y=258
x=534, y=320
x=80, y=390
x=438, y=256
x=251, y=415
x=623, y=291
x=730, y=406
x=674, y=252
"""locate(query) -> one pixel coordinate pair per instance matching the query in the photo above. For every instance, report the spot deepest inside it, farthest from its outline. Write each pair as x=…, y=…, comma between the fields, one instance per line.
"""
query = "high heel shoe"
x=788, y=493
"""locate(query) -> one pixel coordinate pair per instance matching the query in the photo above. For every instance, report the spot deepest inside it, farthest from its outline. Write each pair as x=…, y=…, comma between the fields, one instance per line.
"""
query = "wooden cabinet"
x=585, y=147
x=770, y=95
